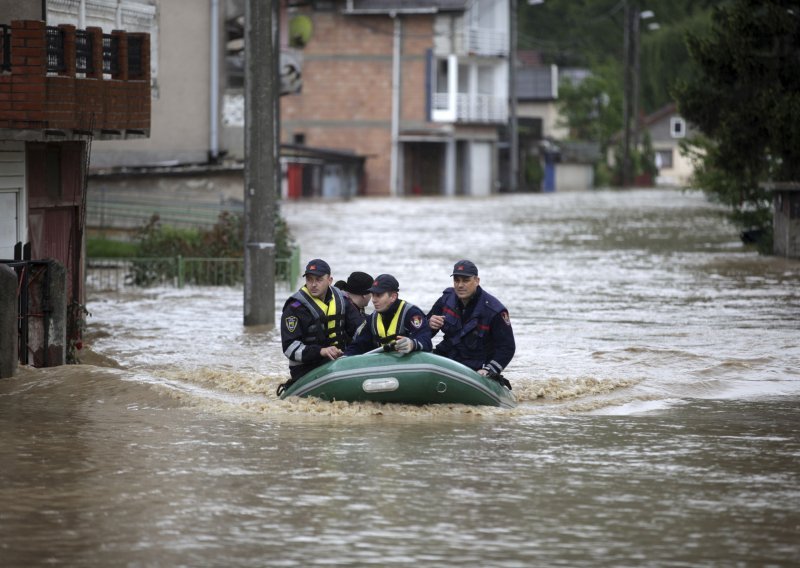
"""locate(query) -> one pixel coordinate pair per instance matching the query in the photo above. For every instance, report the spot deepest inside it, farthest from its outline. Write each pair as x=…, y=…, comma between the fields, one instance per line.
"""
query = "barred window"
x=55, y=50
x=83, y=52
x=110, y=54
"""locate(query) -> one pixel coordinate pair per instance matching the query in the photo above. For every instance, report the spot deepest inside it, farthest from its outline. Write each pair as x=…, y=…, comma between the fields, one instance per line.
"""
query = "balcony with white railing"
x=485, y=42
x=469, y=108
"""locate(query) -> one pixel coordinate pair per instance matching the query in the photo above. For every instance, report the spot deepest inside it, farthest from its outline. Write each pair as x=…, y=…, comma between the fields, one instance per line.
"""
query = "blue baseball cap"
x=317, y=267
x=384, y=283
x=465, y=268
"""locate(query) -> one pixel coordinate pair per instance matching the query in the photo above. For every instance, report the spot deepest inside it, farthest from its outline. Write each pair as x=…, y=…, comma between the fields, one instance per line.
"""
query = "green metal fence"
x=179, y=271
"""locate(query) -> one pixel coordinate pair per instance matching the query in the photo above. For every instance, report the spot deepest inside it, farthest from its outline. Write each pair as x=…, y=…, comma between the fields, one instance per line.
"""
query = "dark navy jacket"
x=412, y=324
x=304, y=330
x=477, y=335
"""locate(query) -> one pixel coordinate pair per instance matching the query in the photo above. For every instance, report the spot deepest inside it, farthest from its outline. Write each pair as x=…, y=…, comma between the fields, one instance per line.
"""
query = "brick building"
x=60, y=89
x=418, y=87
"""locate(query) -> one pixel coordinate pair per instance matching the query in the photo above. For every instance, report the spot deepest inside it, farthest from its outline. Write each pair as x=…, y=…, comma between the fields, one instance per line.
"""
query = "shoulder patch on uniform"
x=506, y=318
x=416, y=321
x=295, y=304
x=291, y=323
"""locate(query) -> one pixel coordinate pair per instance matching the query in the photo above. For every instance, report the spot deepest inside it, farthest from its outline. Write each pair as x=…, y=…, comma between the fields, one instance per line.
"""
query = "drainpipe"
x=395, y=159
x=82, y=15
x=213, y=142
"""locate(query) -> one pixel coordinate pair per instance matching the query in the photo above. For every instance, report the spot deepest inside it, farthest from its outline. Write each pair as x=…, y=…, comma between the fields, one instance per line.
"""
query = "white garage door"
x=12, y=182
x=8, y=225
x=481, y=168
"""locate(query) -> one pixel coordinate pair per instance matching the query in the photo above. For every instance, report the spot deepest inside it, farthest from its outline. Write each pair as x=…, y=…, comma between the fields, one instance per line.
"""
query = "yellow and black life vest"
x=396, y=327
x=328, y=328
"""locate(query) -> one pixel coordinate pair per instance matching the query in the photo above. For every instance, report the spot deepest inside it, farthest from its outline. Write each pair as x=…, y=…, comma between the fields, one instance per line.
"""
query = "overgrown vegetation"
x=155, y=240
x=592, y=108
x=732, y=67
x=590, y=35
x=102, y=247
x=746, y=101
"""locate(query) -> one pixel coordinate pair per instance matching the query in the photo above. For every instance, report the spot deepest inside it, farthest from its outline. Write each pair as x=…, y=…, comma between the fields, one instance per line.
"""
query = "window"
x=664, y=159
x=677, y=127
x=441, y=75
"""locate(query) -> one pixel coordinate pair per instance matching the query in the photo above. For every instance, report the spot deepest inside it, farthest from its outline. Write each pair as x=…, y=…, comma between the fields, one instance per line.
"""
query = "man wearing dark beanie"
x=356, y=289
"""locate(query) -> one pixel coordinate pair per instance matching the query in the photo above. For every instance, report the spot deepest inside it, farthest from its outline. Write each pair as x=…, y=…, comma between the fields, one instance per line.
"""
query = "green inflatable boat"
x=418, y=378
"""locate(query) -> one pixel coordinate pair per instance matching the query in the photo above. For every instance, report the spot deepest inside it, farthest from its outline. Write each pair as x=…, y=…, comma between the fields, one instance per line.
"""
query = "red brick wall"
x=417, y=40
x=29, y=99
x=346, y=100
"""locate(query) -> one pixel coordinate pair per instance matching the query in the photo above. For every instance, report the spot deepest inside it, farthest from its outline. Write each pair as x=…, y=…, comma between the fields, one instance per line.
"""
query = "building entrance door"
x=8, y=224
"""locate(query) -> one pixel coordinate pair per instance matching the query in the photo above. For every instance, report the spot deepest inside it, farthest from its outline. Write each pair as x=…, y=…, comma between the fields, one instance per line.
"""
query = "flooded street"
x=658, y=424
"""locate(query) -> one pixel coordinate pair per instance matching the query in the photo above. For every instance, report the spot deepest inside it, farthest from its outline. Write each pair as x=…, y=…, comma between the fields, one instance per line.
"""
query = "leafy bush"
x=98, y=247
x=224, y=240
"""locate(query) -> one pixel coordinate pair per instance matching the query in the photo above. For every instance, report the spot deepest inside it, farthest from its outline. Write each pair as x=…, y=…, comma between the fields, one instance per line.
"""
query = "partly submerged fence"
x=179, y=271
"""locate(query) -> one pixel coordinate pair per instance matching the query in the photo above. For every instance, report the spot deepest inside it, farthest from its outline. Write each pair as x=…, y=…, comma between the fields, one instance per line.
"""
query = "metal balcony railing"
x=84, y=59
x=110, y=54
x=486, y=42
x=115, y=274
x=473, y=108
x=55, y=50
x=84, y=62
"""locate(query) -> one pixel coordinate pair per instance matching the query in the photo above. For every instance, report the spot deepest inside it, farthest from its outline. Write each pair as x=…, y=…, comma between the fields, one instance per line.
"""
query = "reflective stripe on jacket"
x=328, y=326
x=387, y=335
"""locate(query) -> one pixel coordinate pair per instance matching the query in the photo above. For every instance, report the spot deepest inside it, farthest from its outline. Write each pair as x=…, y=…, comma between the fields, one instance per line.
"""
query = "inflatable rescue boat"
x=418, y=378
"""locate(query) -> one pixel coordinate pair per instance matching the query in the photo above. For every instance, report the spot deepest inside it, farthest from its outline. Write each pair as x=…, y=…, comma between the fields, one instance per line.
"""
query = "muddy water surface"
x=658, y=420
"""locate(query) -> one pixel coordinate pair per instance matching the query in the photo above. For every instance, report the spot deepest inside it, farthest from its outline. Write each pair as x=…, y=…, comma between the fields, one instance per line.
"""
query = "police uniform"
x=399, y=319
x=478, y=334
x=309, y=324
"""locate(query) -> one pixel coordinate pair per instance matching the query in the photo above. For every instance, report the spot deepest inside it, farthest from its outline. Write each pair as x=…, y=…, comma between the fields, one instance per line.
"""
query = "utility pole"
x=513, y=132
x=630, y=108
x=262, y=166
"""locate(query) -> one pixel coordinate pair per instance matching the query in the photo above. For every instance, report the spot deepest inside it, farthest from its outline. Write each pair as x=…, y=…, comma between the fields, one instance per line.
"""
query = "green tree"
x=665, y=58
x=592, y=109
x=746, y=100
x=589, y=34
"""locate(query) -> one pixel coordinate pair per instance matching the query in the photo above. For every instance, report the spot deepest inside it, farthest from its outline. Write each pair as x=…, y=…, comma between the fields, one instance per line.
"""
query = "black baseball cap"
x=317, y=267
x=465, y=268
x=384, y=283
x=358, y=283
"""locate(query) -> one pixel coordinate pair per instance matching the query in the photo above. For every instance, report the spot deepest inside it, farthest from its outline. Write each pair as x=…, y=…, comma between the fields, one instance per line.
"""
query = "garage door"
x=12, y=182
x=8, y=224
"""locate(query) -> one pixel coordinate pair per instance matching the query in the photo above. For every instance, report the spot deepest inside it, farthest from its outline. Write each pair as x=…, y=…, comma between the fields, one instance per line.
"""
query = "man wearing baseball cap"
x=476, y=327
x=317, y=322
x=395, y=324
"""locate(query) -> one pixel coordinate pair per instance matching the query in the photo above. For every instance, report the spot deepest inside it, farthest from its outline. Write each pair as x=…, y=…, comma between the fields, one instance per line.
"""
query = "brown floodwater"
x=658, y=421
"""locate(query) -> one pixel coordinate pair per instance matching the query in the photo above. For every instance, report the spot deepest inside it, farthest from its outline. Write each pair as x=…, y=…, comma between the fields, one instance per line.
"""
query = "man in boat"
x=356, y=289
x=317, y=322
x=395, y=324
x=476, y=327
